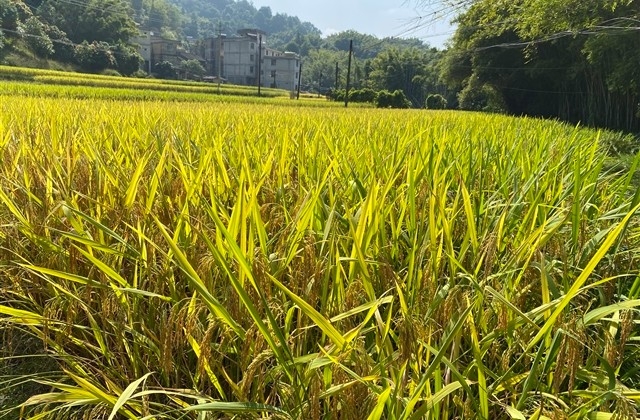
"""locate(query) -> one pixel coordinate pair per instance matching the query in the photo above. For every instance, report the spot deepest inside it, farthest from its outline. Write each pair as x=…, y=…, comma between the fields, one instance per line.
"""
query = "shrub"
x=94, y=57
x=127, y=58
x=481, y=97
x=37, y=39
x=396, y=99
x=363, y=95
x=436, y=101
x=165, y=70
x=110, y=72
x=193, y=68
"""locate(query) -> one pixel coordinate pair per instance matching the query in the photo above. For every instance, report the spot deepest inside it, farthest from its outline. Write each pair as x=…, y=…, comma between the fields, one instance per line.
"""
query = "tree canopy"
x=573, y=59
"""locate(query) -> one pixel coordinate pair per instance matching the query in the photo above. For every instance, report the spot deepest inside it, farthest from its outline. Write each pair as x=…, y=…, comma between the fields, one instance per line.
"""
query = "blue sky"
x=377, y=17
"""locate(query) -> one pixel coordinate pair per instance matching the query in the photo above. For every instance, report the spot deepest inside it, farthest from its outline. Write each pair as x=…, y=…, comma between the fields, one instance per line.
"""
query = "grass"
x=203, y=260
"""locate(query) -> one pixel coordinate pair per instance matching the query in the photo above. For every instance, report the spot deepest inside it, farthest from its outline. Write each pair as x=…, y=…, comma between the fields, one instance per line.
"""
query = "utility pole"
x=274, y=79
x=320, y=84
x=299, y=80
x=220, y=55
x=260, y=63
x=337, y=70
x=346, y=95
x=150, y=40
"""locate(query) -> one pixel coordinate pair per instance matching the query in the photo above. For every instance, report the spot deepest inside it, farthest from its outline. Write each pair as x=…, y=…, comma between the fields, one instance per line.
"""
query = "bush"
x=193, y=68
x=37, y=39
x=140, y=74
x=363, y=95
x=436, y=101
x=127, y=58
x=94, y=57
x=63, y=47
x=165, y=70
x=336, y=94
x=396, y=99
x=110, y=72
x=477, y=97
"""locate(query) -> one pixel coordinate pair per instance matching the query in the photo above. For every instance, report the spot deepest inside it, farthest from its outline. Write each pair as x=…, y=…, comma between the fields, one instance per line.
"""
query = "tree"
x=127, y=58
x=9, y=18
x=92, y=20
x=396, y=99
x=410, y=70
x=165, y=70
x=193, y=68
x=94, y=57
x=36, y=37
x=64, y=50
x=574, y=59
x=436, y=101
x=320, y=67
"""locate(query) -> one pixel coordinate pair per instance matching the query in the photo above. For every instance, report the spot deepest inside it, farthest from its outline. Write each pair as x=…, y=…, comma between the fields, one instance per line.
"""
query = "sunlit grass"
x=193, y=259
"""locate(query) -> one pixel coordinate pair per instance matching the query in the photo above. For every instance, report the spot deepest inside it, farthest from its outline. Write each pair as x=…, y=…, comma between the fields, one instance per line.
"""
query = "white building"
x=280, y=70
x=245, y=58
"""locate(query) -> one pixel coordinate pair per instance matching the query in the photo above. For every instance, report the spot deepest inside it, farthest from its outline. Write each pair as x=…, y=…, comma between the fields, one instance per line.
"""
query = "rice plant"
x=203, y=260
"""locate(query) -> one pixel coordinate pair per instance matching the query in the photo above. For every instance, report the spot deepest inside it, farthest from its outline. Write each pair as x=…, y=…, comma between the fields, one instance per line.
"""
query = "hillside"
x=205, y=18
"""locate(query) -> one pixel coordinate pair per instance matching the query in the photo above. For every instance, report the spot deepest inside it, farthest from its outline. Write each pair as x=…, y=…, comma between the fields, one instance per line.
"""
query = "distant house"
x=244, y=58
x=165, y=50
x=143, y=41
x=280, y=69
x=155, y=49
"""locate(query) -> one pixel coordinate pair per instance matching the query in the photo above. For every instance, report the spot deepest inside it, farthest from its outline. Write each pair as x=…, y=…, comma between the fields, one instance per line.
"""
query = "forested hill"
x=198, y=19
x=204, y=16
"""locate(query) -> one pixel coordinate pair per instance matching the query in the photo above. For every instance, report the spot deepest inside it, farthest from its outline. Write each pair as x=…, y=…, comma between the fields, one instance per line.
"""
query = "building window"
x=253, y=46
x=297, y=63
x=251, y=69
x=273, y=73
x=296, y=75
x=251, y=58
x=273, y=62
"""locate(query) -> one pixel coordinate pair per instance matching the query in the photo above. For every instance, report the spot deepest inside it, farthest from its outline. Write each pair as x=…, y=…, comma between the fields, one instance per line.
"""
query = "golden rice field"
x=183, y=260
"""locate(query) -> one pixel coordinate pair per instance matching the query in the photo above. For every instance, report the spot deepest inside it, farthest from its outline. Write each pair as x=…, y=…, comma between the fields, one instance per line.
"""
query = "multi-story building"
x=245, y=58
x=155, y=49
x=280, y=69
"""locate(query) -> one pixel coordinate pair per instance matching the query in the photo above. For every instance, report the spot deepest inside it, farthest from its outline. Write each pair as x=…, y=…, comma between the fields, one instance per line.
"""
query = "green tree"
x=410, y=70
x=64, y=50
x=36, y=37
x=574, y=59
x=396, y=99
x=128, y=60
x=94, y=57
x=193, y=68
x=319, y=69
x=91, y=20
x=165, y=70
x=436, y=101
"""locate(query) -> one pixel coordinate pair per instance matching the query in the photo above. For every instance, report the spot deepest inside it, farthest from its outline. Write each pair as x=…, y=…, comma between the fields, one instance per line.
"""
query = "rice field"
x=183, y=260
